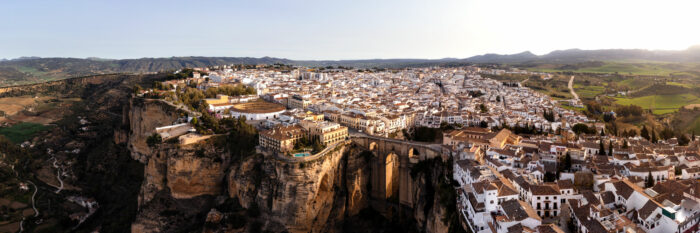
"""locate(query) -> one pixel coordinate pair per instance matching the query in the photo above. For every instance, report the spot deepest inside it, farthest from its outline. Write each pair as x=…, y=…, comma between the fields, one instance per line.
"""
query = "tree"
x=483, y=124
x=154, y=140
x=483, y=108
x=650, y=181
x=593, y=108
x=683, y=140
x=653, y=136
x=645, y=133
x=607, y=117
x=602, y=132
x=550, y=177
x=666, y=133
x=583, y=129
x=317, y=146
x=241, y=139
x=693, y=136
x=613, y=128
x=548, y=115
x=601, y=151
x=567, y=162
x=630, y=110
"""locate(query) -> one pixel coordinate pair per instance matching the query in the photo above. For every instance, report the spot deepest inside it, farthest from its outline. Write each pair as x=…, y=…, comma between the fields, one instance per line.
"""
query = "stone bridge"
x=391, y=166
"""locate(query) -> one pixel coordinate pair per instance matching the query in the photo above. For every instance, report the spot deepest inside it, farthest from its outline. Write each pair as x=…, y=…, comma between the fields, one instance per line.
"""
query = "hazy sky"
x=353, y=29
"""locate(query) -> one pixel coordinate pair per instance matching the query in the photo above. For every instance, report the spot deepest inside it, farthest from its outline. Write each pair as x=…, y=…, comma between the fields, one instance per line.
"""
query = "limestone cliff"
x=357, y=176
x=299, y=196
x=144, y=116
x=187, y=172
x=436, y=199
x=322, y=193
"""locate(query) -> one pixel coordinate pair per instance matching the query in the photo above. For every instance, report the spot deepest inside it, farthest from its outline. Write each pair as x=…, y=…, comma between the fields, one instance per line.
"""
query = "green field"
x=635, y=83
x=680, y=84
x=23, y=131
x=588, y=91
x=660, y=104
x=566, y=106
x=630, y=68
x=625, y=68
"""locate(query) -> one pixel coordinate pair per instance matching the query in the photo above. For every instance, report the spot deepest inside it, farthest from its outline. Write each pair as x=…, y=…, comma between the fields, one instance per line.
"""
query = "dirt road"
x=571, y=88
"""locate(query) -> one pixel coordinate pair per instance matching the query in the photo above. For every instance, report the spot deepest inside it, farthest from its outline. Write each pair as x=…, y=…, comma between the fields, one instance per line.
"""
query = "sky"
x=332, y=30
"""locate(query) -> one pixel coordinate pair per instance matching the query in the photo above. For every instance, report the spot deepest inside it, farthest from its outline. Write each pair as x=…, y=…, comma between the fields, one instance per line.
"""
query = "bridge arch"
x=390, y=165
x=391, y=175
x=413, y=153
x=372, y=146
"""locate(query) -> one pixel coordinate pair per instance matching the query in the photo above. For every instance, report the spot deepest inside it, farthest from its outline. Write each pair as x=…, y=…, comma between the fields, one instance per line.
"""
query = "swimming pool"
x=304, y=154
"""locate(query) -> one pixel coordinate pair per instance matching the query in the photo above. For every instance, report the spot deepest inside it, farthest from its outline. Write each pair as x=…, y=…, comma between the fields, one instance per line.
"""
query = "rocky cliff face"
x=436, y=199
x=184, y=185
x=302, y=196
x=186, y=172
x=144, y=116
x=180, y=183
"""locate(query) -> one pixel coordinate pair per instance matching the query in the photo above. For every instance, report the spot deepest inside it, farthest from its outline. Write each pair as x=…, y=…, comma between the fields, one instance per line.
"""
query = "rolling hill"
x=28, y=70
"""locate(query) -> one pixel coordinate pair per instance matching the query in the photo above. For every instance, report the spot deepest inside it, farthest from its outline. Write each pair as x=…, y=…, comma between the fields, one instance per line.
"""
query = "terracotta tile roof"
x=647, y=209
x=544, y=190
x=518, y=210
x=565, y=184
x=608, y=197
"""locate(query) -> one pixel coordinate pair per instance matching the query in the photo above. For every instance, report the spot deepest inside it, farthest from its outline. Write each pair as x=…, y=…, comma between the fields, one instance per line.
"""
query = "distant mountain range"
x=34, y=69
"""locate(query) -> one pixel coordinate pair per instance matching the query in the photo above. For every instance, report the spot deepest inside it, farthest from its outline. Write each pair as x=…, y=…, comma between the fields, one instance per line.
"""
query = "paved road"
x=571, y=88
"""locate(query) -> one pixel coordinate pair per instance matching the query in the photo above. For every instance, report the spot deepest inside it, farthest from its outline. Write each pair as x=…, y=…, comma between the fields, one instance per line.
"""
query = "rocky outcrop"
x=275, y=194
x=166, y=214
x=190, y=176
x=430, y=212
x=293, y=196
x=144, y=116
x=357, y=176
x=435, y=221
x=187, y=172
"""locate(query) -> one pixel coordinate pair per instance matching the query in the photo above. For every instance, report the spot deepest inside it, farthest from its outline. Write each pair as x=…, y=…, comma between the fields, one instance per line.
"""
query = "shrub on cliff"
x=154, y=140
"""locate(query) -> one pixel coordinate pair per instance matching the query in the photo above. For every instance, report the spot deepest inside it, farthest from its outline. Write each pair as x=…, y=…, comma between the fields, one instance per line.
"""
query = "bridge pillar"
x=377, y=176
x=405, y=186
